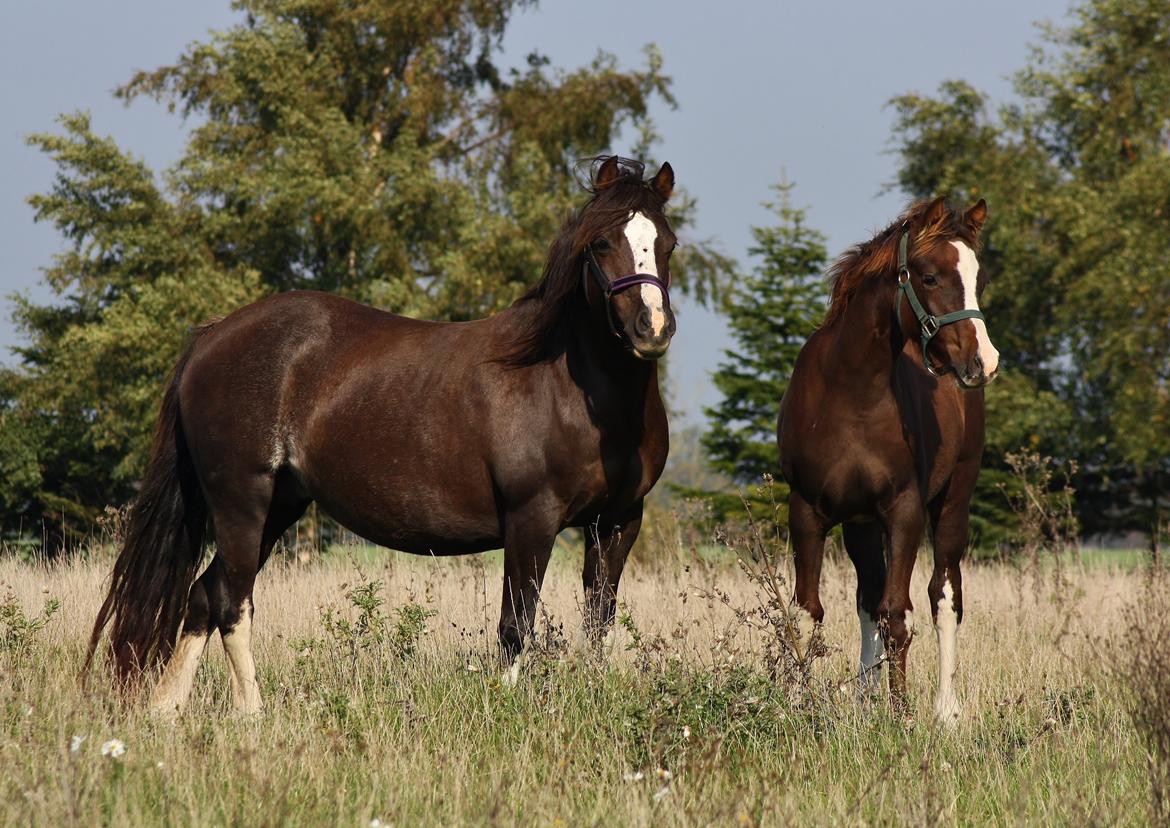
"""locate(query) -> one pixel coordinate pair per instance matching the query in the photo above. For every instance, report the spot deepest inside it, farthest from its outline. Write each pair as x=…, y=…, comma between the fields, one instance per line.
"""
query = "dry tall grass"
x=680, y=726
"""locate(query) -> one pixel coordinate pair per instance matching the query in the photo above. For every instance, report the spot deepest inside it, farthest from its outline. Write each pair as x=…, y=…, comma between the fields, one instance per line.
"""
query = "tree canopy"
x=375, y=149
x=1078, y=175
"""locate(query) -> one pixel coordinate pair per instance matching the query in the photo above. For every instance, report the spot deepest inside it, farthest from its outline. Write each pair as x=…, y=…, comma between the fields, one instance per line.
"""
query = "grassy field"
x=387, y=712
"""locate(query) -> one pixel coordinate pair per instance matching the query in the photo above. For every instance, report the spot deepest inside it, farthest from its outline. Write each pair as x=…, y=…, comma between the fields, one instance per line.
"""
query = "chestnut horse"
x=431, y=438
x=873, y=436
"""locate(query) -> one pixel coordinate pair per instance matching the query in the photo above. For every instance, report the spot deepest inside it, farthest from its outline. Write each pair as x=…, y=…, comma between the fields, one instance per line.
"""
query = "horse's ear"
x=663, y=182
x=936, y=212
x=607, y=173
x=976, y=215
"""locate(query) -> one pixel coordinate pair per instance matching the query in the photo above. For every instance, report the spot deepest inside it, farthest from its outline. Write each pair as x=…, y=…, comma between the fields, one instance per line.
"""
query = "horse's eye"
x=601, y=245
x=930, y=280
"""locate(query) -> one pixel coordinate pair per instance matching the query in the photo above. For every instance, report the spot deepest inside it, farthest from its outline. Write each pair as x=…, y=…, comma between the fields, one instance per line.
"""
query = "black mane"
x=555, y=296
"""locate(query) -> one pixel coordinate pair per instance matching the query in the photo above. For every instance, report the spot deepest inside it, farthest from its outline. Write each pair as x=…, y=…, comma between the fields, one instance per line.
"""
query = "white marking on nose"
x=969, y=274
x=641, y=234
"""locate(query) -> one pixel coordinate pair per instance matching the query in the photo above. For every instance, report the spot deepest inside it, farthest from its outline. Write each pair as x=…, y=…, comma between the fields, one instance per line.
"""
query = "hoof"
x=165, y=712
x=511, y=676
x=947, y=712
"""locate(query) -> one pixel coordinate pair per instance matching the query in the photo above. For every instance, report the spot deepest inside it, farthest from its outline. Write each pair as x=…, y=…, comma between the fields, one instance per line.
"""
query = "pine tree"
x=772, y=312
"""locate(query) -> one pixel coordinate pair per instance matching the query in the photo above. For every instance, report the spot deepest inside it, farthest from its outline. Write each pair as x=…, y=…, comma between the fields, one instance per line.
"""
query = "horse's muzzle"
x=646, y=342
x=975, y=374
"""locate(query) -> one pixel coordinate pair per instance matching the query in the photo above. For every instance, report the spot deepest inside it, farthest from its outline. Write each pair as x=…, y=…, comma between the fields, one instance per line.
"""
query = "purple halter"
x=610, y=289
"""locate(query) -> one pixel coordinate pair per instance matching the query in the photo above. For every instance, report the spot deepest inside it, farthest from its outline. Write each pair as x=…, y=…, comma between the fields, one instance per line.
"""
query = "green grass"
x=681, y=725
x=1124, y=560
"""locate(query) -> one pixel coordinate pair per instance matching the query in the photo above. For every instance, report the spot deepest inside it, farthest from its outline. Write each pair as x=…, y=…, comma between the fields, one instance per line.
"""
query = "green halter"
x=928, y=324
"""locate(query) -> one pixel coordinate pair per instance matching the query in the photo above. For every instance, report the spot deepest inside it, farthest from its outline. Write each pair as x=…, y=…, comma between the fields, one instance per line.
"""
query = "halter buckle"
x=930, y=326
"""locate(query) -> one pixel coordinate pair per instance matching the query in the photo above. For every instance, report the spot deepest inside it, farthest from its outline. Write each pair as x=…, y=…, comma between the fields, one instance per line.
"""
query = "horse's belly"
x=422, y=508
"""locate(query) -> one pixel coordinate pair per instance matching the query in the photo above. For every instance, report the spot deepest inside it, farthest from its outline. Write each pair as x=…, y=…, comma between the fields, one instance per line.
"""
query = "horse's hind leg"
x=248, y=520
x=950, y=518
x=174, y=686
x=864, y=543
x=807, y=532
x=245, y=538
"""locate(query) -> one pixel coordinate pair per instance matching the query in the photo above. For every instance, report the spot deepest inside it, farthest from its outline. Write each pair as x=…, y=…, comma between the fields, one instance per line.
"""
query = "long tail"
x=162, y=552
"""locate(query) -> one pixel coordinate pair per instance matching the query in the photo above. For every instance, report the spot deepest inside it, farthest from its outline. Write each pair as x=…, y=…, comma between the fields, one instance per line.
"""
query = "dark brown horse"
x=881, y=429
x=432, y=438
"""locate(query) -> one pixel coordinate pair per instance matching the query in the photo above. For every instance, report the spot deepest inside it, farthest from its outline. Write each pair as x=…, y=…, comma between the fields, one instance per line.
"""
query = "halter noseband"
x=610, y=289
x=928, y=324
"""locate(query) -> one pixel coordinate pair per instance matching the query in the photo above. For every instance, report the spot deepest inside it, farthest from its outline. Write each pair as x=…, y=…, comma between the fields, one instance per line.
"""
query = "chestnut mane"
x=878, y=257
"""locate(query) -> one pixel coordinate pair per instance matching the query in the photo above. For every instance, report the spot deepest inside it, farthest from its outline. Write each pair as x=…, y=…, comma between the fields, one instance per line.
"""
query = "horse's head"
x=940, y=282
x=627, y=258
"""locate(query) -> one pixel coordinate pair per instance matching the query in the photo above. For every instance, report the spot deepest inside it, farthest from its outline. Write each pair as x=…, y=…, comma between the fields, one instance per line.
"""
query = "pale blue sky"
x=761, y=87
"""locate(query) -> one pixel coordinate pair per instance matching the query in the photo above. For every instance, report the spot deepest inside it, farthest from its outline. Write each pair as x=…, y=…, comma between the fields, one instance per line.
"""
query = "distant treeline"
x=381, y=153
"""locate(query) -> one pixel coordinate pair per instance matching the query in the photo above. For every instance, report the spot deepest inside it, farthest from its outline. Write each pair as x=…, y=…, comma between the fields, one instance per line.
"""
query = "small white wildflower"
x=377, y=823
x=472, y=668
x=75, y=743
x=663, y=774
x=686, y=731
x=159, y=765
x=636, y=776
x=661, y=792
x=113, y=748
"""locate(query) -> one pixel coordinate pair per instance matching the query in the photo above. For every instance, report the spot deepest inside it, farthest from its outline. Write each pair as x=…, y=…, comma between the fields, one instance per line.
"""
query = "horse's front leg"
x=607, y=545
x=904, y=522
x=528, y=539
x=806, y=530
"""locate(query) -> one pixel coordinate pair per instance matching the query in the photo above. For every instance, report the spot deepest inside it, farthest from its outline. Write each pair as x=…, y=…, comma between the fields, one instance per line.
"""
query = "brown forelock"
x=878, y=257
x=609, y=208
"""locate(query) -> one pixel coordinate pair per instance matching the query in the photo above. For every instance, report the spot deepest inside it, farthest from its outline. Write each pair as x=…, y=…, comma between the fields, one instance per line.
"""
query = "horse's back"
x=285, y=345
x=395, y=426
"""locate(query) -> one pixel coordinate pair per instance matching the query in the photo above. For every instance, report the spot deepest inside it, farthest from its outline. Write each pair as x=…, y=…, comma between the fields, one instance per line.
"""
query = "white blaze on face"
x=641, y=233
x=946, y=705
x=969, y=274
x=873, y=652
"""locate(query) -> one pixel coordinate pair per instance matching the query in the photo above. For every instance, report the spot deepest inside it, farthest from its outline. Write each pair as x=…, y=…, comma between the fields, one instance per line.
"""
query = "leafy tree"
x=771, y=311
x=374, y=149
x=1078, y=176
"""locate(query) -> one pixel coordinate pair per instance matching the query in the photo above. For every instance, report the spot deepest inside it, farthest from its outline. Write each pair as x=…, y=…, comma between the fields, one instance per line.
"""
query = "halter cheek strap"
x=610, y=289
x=928, y=324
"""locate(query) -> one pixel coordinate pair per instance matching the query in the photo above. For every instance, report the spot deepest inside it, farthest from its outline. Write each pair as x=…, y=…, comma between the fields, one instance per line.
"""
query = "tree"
x=373, y=149
x=1078, y=176
x=771, y=312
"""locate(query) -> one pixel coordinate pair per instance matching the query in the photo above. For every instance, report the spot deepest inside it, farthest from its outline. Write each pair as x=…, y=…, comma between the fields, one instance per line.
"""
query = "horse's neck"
x=618, y=386
x=866, y=342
